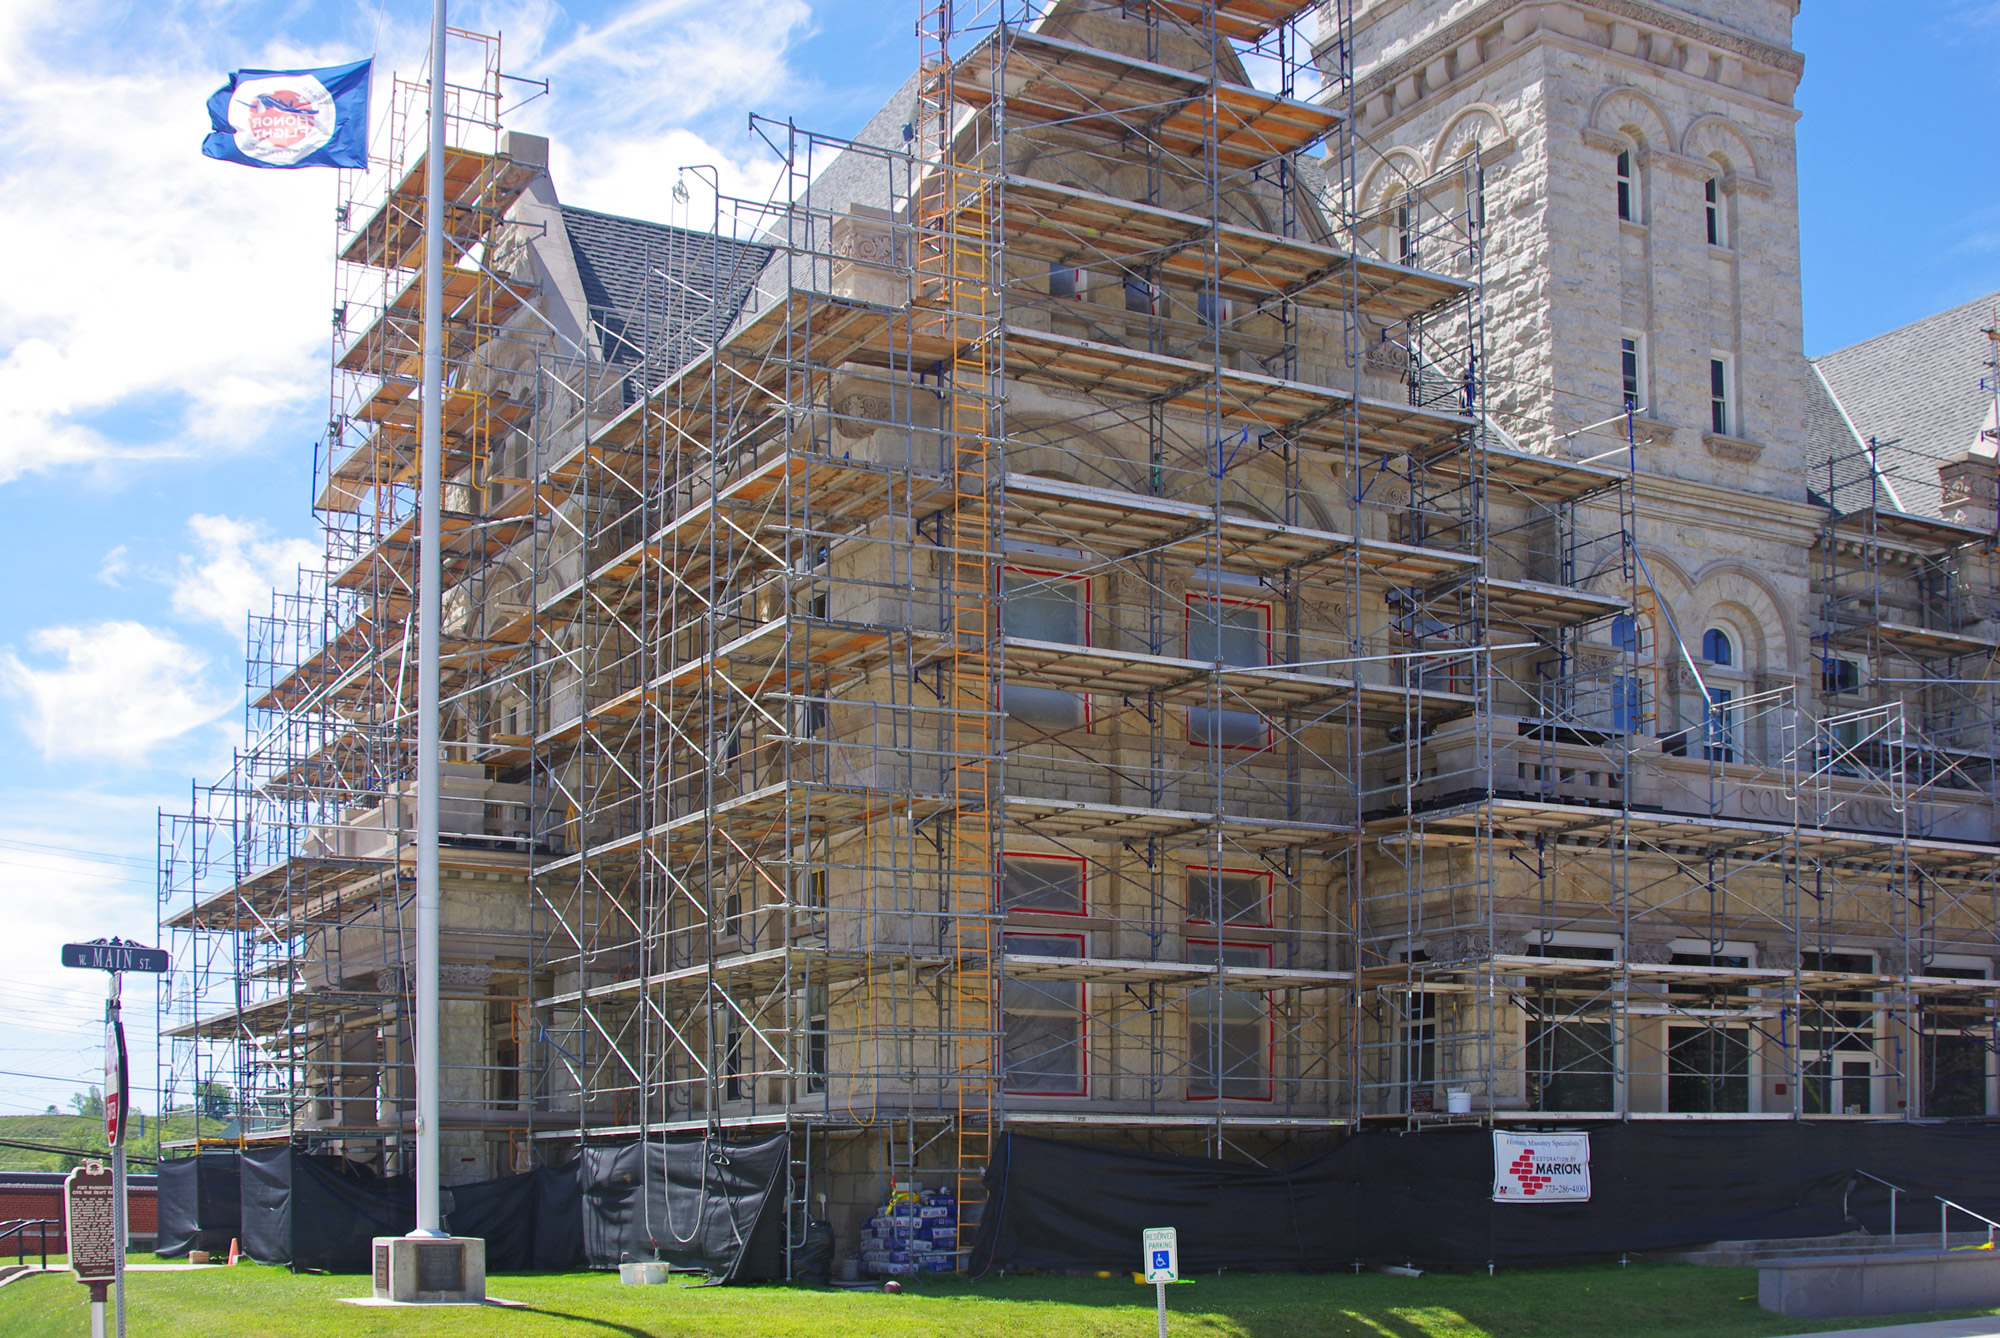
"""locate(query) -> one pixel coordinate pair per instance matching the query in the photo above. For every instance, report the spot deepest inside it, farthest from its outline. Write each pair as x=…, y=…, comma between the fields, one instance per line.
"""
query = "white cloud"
x=235, y=570
x=121, y=690
x=112, y=569
x=176, y=305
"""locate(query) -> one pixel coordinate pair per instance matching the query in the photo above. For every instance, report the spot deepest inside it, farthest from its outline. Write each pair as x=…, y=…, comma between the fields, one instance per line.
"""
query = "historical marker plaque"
x=90, y=1223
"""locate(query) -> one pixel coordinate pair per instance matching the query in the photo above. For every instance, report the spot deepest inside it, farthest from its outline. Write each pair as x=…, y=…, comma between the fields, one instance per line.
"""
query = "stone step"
x=1748, y=1253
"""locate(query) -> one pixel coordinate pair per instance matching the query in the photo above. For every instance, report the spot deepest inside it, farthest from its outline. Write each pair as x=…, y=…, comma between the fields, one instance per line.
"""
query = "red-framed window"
x=1236, y=633
x=1228, y=896
x=1044, y=884
x=1229, y=1030
x=1043, y=1037
x=1052, y=606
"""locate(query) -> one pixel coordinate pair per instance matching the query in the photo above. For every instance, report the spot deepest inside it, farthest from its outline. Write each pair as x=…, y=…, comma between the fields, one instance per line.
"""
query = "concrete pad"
x=432, y=1305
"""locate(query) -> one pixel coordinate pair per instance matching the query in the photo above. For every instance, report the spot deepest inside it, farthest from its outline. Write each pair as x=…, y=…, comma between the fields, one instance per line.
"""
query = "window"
x=1406, y=237
x=1237, y=634
x=1043, y=606
x=1954, y=1055
x=1228, y=896
x=1420, y=1050
x=1138, y=294
x=1065, y=281
x=1719, y=416
x=1716, y=647
x=1626, y=196
x=732, y=1057
x=1632, y=372
x=1036, y=883
x=1041, y=1046
x=1712, y=197
x=507, y=1077
x=1839, y=676
x=1228, y=1039
x=816, y=889
x=1846, y=1021
x=1625, y=633
x=1570, y=1064
x=1708, y=1070
x=1721, y=727
x=1628, y=704
x=732, y=914
x=816, y=1038
x=1211, y=310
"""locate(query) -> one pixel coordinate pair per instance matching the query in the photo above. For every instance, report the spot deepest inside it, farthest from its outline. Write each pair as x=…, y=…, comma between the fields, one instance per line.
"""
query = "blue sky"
x=163, y=342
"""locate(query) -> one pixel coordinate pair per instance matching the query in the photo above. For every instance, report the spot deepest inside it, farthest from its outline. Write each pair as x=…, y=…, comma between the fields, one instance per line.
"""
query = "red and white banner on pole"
x=1541, y=1168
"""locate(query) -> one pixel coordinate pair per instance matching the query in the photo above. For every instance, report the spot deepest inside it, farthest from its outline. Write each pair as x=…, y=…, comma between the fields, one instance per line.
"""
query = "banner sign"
x=1541, y=1168
x=291, y=118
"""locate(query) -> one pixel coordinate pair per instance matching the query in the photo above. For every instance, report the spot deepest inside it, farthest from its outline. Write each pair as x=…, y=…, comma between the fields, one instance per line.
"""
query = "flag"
x=292, y=118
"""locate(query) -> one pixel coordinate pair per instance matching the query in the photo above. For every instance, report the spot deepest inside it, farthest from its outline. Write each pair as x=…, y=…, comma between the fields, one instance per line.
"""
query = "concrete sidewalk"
x=1987, y=1326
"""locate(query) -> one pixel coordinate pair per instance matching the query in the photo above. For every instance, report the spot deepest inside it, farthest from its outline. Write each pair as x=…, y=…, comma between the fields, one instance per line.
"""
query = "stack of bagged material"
x=916, y=1232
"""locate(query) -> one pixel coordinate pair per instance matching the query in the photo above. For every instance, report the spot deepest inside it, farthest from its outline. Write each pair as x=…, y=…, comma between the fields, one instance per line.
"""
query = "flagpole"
x=430, y=584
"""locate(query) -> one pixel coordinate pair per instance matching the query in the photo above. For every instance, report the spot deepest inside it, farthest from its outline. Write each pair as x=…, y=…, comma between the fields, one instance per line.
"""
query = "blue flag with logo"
x=292, y=118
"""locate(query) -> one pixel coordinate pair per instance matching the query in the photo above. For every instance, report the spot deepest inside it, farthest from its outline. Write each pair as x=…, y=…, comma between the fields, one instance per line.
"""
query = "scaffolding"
x=286, y=888
x=1032, y=626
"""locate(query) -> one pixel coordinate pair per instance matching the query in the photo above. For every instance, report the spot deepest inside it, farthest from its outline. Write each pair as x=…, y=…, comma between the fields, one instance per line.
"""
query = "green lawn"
x=1644, y=1301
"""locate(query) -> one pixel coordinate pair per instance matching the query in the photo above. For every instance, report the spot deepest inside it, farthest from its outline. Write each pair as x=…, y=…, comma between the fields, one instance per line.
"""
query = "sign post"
x=1163, y=1265
x=90, y=1230
x=112, y=956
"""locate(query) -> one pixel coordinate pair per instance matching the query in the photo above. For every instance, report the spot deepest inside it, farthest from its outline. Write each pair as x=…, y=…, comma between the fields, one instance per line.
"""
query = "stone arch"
x=1398, y=169
x=1717, y=139
x=1054, y=447
x=1624, y=110
x=1737, y=592
x=1477, y=128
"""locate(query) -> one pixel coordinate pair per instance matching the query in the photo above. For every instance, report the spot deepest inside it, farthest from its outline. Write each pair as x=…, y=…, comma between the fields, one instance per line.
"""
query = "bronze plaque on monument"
x=89, y=1225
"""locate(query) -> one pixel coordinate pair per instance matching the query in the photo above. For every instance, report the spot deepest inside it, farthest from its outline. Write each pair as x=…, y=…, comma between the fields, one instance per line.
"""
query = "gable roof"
x=1912, y=398
x=658, y=295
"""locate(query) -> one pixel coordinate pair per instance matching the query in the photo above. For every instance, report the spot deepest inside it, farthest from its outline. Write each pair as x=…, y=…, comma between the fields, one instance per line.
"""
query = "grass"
x=1644, y=1301
x=82, y=1132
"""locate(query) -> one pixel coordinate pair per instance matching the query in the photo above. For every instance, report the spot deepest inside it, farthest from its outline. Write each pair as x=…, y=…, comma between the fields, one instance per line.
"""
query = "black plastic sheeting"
x=319, y=1212
x=200, y=1204
x=531, y=1222
x=1425, y=1198
x=695, y=1203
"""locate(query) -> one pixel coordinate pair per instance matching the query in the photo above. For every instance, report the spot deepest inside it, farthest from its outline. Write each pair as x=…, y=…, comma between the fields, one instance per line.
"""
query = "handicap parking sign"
x=1162, y=1248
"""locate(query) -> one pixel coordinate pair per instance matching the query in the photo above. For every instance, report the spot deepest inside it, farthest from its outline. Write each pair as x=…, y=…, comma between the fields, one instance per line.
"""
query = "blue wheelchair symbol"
x=1159, y=1259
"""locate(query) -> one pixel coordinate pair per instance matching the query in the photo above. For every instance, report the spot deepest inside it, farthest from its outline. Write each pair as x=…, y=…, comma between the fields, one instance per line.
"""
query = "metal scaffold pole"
x=429, y=600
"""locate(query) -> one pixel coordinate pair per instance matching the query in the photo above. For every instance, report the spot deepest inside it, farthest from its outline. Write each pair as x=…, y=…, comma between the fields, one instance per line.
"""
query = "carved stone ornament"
x=1733, y=449
x=858, y=414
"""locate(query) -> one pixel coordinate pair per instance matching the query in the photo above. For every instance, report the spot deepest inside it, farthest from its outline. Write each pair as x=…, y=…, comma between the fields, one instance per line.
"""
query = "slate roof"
x=658, y=295
x=1917, y=393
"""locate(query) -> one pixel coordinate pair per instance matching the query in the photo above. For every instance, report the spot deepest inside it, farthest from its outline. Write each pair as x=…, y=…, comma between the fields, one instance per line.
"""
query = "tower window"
x=1718, y=396
x=1625, y=192
x=1712, y=195
x=1632, y=372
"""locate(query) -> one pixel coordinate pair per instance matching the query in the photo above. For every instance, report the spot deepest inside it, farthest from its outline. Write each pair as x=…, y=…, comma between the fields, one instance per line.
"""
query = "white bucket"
x=1458, y=1100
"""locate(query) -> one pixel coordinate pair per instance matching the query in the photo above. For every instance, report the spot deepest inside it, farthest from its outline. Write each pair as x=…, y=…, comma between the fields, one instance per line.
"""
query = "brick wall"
x=30, y=1194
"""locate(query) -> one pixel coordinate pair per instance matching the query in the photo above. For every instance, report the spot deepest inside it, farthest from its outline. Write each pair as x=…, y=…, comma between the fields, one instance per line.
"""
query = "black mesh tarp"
x=530, y=1222
x=696, y=1203
x=319, y=1212
x=1425, y=1198
x=200, y=1204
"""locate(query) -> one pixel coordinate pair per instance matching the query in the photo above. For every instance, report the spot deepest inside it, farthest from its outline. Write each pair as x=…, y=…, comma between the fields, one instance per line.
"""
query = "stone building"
x=1189, y=587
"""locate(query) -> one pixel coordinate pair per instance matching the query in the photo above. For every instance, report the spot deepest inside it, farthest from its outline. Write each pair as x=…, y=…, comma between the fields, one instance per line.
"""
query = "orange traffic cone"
x=234, y=1252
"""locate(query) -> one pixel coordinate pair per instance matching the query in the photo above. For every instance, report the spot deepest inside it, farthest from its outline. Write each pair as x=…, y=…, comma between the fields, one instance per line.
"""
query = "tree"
x=213, y=1099
x=90, y=1104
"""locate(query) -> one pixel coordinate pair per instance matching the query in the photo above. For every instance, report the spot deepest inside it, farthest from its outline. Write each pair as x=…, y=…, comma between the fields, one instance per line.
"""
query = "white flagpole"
x=430, y=583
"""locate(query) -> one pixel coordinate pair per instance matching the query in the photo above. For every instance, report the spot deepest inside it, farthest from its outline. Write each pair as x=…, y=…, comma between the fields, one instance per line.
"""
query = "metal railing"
x=1893, y=1189
x=1945, y=1206
x=18, y=1229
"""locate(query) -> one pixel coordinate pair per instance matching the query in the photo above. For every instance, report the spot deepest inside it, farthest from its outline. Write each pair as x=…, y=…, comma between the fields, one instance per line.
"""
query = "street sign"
x=115, y=955
x=90, y=1222
x=1163, y=1263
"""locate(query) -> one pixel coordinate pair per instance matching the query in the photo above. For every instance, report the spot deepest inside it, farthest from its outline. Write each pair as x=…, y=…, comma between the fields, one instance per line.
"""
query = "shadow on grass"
x=587, y=1322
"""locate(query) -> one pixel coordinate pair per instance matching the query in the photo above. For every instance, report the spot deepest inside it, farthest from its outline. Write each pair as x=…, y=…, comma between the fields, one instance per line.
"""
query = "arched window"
x=1625, y=632
x=1716, y=648
x=1628, y=196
